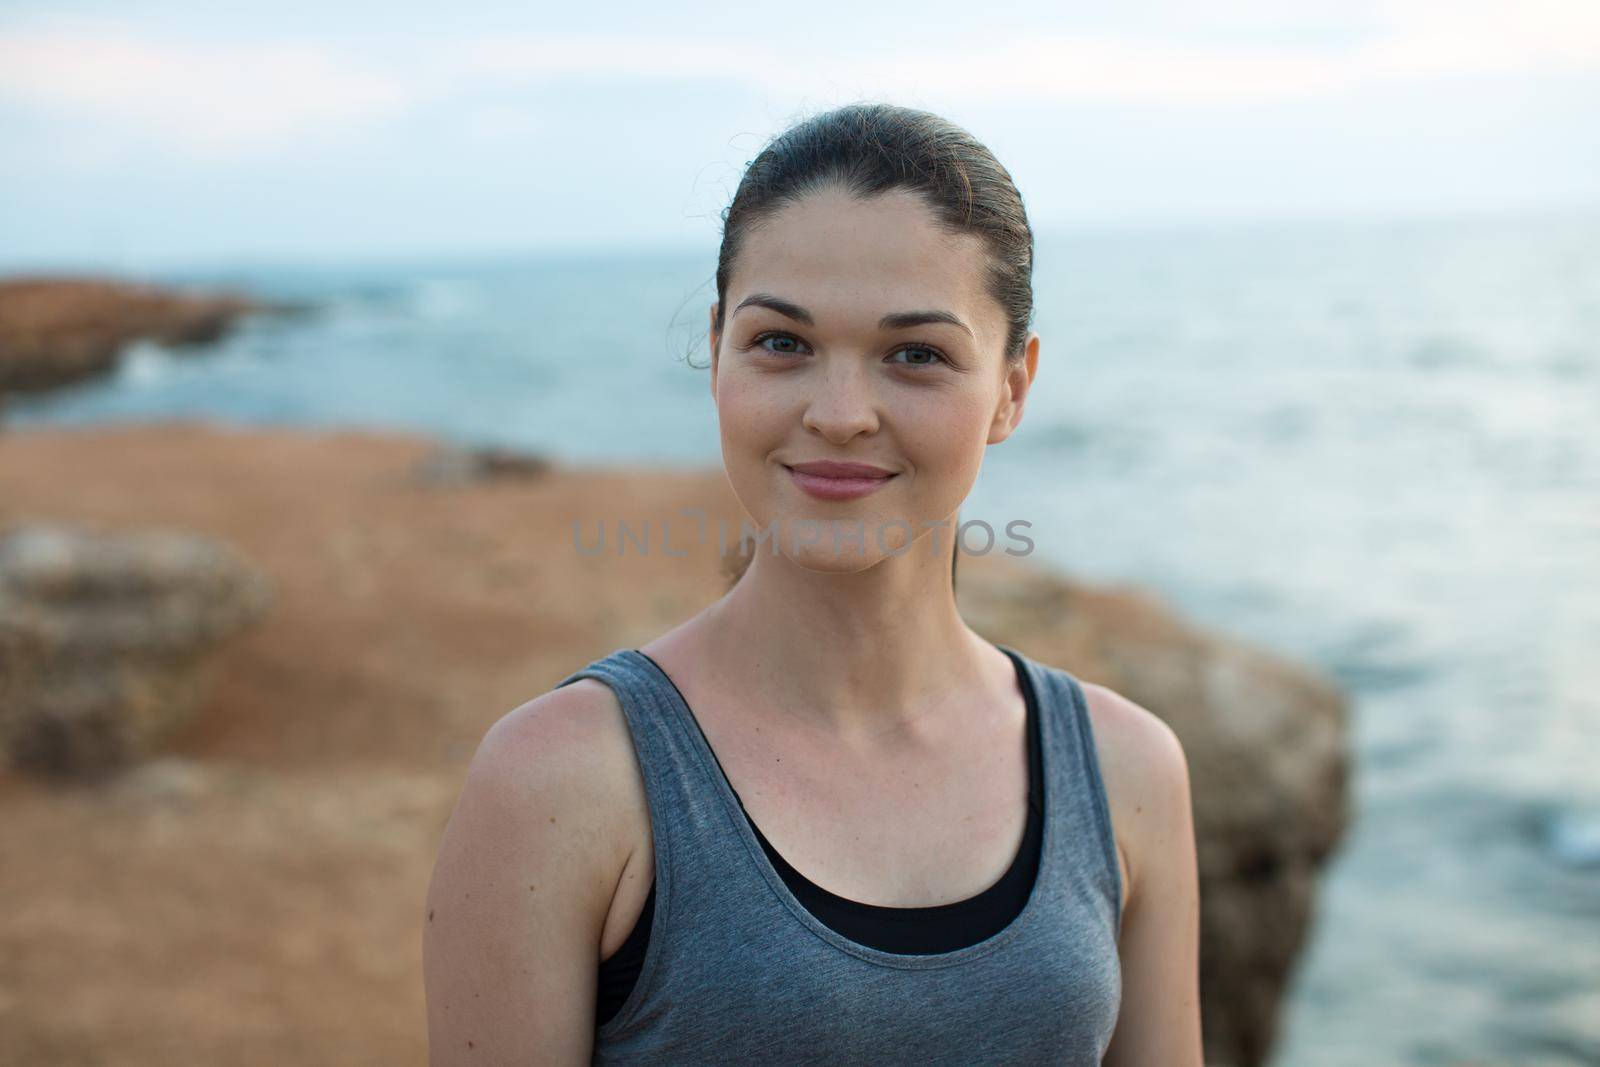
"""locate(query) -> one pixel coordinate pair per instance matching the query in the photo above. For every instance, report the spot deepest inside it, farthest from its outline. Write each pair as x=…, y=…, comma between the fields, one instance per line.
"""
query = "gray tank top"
x=738, y=971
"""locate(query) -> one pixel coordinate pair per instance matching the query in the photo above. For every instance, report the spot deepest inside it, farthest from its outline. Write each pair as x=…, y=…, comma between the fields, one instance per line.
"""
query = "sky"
x=159, y=134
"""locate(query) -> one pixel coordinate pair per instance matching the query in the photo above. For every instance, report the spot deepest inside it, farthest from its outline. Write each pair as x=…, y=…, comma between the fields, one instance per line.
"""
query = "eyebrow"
x=898, y=320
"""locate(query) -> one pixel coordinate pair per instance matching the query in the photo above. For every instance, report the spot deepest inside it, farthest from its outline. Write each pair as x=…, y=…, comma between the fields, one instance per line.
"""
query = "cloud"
x=227, y=98
x=202, y=100
x=1411, y=40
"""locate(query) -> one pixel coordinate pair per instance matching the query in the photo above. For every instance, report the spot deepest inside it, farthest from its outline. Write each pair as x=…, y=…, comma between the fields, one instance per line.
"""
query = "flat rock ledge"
x=407, y=619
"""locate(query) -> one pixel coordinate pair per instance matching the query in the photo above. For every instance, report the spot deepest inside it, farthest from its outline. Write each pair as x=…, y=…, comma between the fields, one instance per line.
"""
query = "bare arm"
x=1158, y=1024
x=520, y=890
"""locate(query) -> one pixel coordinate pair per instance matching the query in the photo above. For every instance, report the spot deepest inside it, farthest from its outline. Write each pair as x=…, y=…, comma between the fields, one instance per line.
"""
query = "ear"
x=712, y=338
x=1014, y=390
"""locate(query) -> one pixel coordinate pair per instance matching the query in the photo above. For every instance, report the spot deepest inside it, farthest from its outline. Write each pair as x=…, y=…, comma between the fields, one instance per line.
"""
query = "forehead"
x=846, y=259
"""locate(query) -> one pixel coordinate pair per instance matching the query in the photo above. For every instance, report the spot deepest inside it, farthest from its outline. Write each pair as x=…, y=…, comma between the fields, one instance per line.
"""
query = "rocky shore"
x=55, y=331
x=250, y=889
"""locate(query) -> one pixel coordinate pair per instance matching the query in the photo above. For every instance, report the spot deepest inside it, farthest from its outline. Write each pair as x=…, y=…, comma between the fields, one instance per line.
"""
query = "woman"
x=998, y=860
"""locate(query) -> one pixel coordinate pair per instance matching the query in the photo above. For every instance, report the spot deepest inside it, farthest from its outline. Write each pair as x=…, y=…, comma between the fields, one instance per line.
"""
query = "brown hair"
x=870, y=148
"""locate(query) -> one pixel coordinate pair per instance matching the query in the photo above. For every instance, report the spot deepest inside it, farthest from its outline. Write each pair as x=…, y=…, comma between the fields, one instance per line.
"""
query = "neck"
x=855, y=655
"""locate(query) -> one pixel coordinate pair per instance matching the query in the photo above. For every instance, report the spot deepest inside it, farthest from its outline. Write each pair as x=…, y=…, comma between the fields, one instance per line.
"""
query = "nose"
x=841, y=403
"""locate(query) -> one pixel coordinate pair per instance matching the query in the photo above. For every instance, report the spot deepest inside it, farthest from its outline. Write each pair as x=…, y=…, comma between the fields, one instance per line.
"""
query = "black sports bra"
x=912, y=931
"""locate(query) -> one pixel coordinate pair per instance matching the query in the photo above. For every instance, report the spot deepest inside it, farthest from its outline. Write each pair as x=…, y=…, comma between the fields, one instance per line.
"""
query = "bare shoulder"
x=577, y=732
x=1146, y=774
x=523, y=881
x=565, y=755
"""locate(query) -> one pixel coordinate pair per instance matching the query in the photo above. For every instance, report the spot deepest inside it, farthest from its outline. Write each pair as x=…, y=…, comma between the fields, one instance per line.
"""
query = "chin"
x=822, y=559
x=834, y=545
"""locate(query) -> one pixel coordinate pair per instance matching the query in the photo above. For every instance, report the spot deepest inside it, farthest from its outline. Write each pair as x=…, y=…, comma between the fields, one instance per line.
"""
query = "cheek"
x=753, y=426
x=746, y=414
x=948, y=432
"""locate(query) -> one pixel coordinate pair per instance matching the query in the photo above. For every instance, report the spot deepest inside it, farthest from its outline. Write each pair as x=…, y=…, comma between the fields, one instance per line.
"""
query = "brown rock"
x=107, y=639
x=1268, y=754
x=461, y=465
x=55, y=331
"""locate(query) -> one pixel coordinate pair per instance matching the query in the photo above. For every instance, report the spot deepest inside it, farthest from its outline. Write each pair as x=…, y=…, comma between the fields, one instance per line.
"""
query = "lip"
x=828, y=480
x=826, y=468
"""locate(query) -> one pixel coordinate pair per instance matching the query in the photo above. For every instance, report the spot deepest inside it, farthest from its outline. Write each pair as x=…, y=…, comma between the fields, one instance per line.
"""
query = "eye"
x=776, y=335
x=932, y=354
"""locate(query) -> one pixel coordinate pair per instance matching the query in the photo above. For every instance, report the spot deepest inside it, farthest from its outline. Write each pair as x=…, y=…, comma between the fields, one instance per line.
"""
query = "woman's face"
x=859, y=332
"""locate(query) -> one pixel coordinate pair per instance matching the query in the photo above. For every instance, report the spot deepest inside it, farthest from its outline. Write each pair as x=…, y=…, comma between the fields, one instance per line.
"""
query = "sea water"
x=1372, y=447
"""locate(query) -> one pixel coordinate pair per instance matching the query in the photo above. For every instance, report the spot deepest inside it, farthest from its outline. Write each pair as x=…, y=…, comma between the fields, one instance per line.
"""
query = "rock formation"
x=1268, y=752
x=106, y=639
x=56, y=331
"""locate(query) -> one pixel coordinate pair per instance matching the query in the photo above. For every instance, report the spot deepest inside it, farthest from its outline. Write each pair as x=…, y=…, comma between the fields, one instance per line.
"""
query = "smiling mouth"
x=838, y=488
